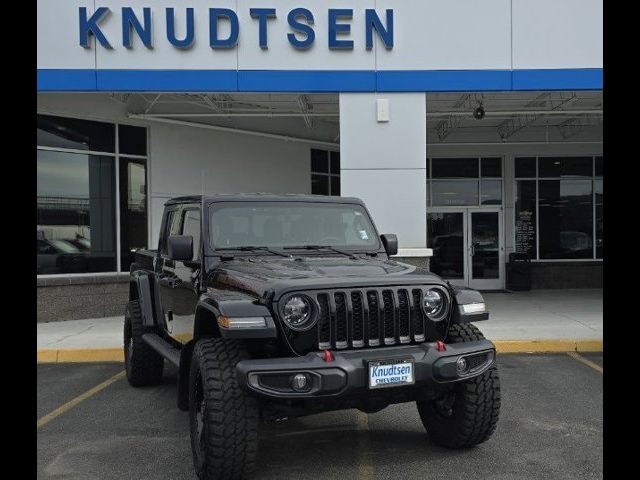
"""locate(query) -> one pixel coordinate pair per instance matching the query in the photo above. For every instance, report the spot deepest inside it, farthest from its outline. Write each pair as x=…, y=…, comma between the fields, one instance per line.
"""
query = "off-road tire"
x=476, y=404
x=143, y=364
x=222, y=411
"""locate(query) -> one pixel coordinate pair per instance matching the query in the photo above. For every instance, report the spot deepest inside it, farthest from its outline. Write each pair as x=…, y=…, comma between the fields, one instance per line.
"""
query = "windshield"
x=291, y=224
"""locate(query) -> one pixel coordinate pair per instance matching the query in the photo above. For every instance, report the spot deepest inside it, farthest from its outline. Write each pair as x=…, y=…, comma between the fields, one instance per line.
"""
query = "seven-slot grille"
x=354, y=318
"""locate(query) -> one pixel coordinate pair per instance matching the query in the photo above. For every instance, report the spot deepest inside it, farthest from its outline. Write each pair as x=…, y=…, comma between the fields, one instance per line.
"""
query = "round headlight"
x=298, y=313
x=435, y=304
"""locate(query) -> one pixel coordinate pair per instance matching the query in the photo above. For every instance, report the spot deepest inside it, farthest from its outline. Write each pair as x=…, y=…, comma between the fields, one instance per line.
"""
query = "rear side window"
x=191, y=226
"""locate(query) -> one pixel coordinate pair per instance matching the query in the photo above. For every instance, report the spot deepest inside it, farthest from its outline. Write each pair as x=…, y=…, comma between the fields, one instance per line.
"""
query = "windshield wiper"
x=255, y=249
x=325, y=247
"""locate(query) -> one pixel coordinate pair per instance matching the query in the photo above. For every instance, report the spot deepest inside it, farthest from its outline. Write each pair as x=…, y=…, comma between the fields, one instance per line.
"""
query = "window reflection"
x=599, y=194
x=75, y=213
x=445, y=237
x=566, y=219
x=464, y=181
x=75, y=134
x=491, y=192
x=454, y=192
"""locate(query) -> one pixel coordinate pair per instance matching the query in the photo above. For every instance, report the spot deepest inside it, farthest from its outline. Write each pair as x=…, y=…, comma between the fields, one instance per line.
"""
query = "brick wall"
x=415, y=261
x=72, y=298
x=566, y=275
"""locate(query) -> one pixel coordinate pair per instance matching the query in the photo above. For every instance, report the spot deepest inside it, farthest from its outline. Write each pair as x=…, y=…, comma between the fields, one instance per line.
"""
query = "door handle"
x=171, y=282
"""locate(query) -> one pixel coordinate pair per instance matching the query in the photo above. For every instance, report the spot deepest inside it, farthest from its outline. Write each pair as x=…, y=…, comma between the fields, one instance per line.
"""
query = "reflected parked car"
x=447, y=255
x=60, y=256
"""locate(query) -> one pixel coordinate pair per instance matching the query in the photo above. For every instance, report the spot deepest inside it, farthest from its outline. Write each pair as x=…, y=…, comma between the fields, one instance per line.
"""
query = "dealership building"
x=471, y=129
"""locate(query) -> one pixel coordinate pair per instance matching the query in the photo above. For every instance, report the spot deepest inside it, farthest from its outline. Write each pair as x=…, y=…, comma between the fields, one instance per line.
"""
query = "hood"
x=262, y=275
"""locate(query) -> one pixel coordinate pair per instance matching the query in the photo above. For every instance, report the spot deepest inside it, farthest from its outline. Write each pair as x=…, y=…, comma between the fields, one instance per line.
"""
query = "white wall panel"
x=164, y=55
x=557, y=34
x=281, y=55
x=448, y=35
x=429, y=35
x=395, y=198
x=367, y=143
x=384, y=163
x=231, y=163
x=57, y=39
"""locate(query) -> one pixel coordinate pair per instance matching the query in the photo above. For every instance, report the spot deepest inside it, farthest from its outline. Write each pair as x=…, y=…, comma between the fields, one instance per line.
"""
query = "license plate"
x=391, y=373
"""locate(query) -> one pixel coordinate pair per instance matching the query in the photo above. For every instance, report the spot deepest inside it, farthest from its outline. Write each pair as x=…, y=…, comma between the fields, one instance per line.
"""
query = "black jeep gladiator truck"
x=273, y=307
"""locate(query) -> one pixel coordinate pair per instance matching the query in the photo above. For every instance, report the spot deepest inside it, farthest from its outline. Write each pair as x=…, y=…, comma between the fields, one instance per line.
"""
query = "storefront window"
x=75, y=213
x=325, y=172
x=455, y=168
x=599, y=196
x=491, y=192
x=133, y=209
x=72, y=133
x=565, y=167
x=77, y=195
x=565, y=208
x=464, y=181
x=448, y=193
x=525, y=211
x=132, y=140
x=559, y=218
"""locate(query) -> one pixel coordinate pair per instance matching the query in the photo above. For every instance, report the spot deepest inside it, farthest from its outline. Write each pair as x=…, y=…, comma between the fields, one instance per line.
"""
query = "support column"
x=384, y=163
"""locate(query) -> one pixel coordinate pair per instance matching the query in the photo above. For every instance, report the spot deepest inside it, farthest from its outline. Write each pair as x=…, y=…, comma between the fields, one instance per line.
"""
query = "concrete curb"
x=81, y=355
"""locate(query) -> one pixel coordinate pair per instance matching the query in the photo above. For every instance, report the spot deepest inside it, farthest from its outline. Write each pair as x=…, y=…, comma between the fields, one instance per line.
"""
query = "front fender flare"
x=466, y=296
x=142, y=284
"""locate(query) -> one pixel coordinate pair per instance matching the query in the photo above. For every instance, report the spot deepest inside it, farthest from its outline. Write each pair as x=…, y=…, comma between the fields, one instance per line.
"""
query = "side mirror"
x=390, y=242
x=180, y=247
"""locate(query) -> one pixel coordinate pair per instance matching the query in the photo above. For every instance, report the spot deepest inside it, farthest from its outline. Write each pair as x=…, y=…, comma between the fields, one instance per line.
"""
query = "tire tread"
x=477, y=401
x=146, y=365
x=232, y=416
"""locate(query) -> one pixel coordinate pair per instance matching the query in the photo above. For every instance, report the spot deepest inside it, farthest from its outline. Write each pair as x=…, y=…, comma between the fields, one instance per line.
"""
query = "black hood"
x=262, y=275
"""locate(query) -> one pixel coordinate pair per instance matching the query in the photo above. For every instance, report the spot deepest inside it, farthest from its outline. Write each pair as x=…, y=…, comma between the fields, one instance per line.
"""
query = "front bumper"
x=347, y=375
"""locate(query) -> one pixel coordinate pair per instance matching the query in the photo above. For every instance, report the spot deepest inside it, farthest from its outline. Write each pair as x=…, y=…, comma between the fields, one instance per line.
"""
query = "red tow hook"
x=440, y=346
x=327, y=356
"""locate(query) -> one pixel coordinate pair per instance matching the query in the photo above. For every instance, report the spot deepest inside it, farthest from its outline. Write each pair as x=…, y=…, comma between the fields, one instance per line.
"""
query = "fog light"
x=462, y=366
x=300, y=382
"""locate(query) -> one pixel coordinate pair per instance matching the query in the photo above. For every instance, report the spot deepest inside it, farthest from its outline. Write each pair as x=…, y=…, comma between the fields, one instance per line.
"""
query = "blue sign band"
x=71, y=80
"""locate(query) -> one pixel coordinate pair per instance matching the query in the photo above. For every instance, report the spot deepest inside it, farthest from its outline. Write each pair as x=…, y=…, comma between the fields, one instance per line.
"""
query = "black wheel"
x=223, y=418
x=463, y=414
x=143, y=364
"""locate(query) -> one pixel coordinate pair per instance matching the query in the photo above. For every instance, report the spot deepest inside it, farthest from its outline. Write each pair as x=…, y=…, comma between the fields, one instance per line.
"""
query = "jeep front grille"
x=355, y=318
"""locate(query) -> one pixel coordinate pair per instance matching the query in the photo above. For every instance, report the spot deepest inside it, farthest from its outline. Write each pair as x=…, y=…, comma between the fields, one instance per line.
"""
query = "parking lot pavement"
x=550, y=427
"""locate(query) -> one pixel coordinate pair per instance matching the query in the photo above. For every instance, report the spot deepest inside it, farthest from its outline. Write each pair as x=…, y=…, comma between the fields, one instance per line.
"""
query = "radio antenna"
x=202, y=214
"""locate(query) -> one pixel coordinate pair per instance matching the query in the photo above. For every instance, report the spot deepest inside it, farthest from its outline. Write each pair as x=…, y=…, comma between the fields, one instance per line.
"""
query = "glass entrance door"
x=467, y=247
x=485, y=250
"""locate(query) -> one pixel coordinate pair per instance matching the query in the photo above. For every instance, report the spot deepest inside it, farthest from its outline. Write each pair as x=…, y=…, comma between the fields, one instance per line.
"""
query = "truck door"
x=179, y=280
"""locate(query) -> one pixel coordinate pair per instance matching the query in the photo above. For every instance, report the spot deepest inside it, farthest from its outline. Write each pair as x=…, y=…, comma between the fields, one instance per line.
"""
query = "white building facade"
x=472, y=129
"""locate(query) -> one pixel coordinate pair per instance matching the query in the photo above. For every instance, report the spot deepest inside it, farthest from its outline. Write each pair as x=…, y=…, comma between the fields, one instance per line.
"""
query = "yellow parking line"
x=586, y=361
x=81, y=355
x=80, y=398
x=547, y=346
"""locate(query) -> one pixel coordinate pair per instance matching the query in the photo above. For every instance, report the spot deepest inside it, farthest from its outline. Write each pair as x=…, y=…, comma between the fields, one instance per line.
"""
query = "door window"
x=467, y=247
x=485, y=245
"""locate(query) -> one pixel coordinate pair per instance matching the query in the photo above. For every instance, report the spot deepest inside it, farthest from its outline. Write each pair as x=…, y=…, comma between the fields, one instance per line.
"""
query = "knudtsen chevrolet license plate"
x=391, y=373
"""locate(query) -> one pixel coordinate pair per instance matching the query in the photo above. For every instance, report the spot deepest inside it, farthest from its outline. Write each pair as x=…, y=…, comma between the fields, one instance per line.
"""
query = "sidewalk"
x=535, y=321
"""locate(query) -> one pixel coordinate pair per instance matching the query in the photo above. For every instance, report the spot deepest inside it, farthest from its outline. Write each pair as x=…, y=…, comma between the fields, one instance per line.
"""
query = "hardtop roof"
x=262, y=197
